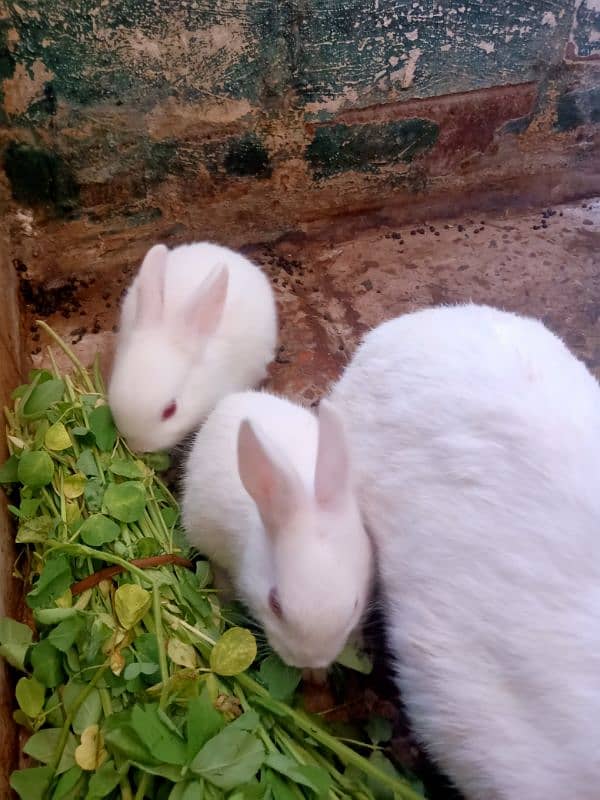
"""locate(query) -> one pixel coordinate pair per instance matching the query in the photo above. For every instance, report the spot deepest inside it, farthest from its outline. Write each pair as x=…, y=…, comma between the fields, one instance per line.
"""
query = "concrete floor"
x=335, y=280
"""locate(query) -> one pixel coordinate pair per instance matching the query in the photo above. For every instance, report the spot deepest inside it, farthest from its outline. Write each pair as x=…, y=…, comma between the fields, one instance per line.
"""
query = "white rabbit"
x=267, y=498
x=198, y=322
x=475, y=438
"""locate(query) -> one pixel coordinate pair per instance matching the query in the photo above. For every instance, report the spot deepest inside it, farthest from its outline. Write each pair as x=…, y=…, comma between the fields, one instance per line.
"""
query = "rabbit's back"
x=249, y=293
x=473, y=398
x=216, y=508
x=474, y=435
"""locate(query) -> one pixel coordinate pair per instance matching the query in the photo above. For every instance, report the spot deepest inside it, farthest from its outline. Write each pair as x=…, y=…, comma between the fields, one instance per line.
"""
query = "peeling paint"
x=348, y=97
x=219, y=46
x=173, y=118
x=584, y=36
x=25, y=86
x=462, y=47
x=406, y=75
x=137, y=52
x=12, y=38
x=487, y=47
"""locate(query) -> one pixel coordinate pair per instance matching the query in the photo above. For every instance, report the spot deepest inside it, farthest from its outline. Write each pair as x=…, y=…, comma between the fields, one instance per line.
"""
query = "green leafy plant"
x=135, y=684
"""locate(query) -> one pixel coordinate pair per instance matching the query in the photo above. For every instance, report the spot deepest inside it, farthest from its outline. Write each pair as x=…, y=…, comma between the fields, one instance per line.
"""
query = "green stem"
x=170, y=497
x=102, y=555
x=261, y=730
x=143, y=785
x=62, y=500
x=51, y=504
x=71, y=716
x=160, y=640
x=302, y=754
x=195, y=631
x=23, y=400
x=125, y=789
x=106, y=702
x=358, y=743
x=345, y=753
x=68, y=352
x=100, y=387
x=157, y=522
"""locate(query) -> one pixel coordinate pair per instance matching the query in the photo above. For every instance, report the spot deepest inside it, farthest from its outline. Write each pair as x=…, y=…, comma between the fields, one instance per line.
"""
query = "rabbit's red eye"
x=274, y=603
x=169, y=410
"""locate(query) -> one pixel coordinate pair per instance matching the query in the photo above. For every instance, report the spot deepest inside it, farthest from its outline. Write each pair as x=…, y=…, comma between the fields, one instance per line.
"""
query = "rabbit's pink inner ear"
x=332, y=468
x=151, y=286
x=206, y=307
x=272, y=485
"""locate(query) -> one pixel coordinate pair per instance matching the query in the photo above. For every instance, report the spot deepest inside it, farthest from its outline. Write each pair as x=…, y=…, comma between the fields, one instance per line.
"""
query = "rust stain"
x=468, y=121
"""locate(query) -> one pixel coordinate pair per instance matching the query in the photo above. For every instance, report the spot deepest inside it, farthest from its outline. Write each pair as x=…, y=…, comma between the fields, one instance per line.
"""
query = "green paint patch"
x=247, y=156
x=7, y=64
x=578, y=108
x=40, y=177
x=43, y=107
x=159, y=160
x=366, y=148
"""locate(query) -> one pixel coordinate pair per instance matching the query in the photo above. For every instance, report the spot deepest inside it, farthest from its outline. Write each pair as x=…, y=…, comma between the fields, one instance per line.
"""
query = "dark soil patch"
x=46, y=298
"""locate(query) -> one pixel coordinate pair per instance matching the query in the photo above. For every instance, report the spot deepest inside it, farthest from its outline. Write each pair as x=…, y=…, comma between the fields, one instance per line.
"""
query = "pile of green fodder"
x=135, y=685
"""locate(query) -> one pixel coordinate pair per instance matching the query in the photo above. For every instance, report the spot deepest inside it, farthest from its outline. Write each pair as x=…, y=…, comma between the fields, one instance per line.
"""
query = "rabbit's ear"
x=205, y=308
x=332, y=471
x=151, y=286
x=269, y=479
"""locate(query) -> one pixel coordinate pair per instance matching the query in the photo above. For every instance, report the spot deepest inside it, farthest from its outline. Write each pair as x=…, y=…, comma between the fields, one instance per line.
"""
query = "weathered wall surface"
x=131, y=120
x=10, y=589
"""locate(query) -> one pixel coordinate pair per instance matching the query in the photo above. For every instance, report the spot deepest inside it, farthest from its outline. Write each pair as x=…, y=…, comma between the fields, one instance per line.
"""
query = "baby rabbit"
x=267, y=498
x=475, y=437
x=198, y=322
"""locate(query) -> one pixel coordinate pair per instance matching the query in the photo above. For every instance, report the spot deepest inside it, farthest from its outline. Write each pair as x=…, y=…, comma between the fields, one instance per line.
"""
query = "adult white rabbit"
x=475, y=438
x=198, y=322
x=267, y=498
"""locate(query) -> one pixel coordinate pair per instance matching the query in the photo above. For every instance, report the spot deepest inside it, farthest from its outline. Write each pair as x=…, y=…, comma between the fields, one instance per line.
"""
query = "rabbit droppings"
x=475, y=440
x=198, y=322
x=267, y=498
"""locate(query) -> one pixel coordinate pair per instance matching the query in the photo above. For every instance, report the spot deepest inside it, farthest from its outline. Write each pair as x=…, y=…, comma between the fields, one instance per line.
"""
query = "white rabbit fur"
x=267, y=498
x=198, y=322
x=475, y=436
